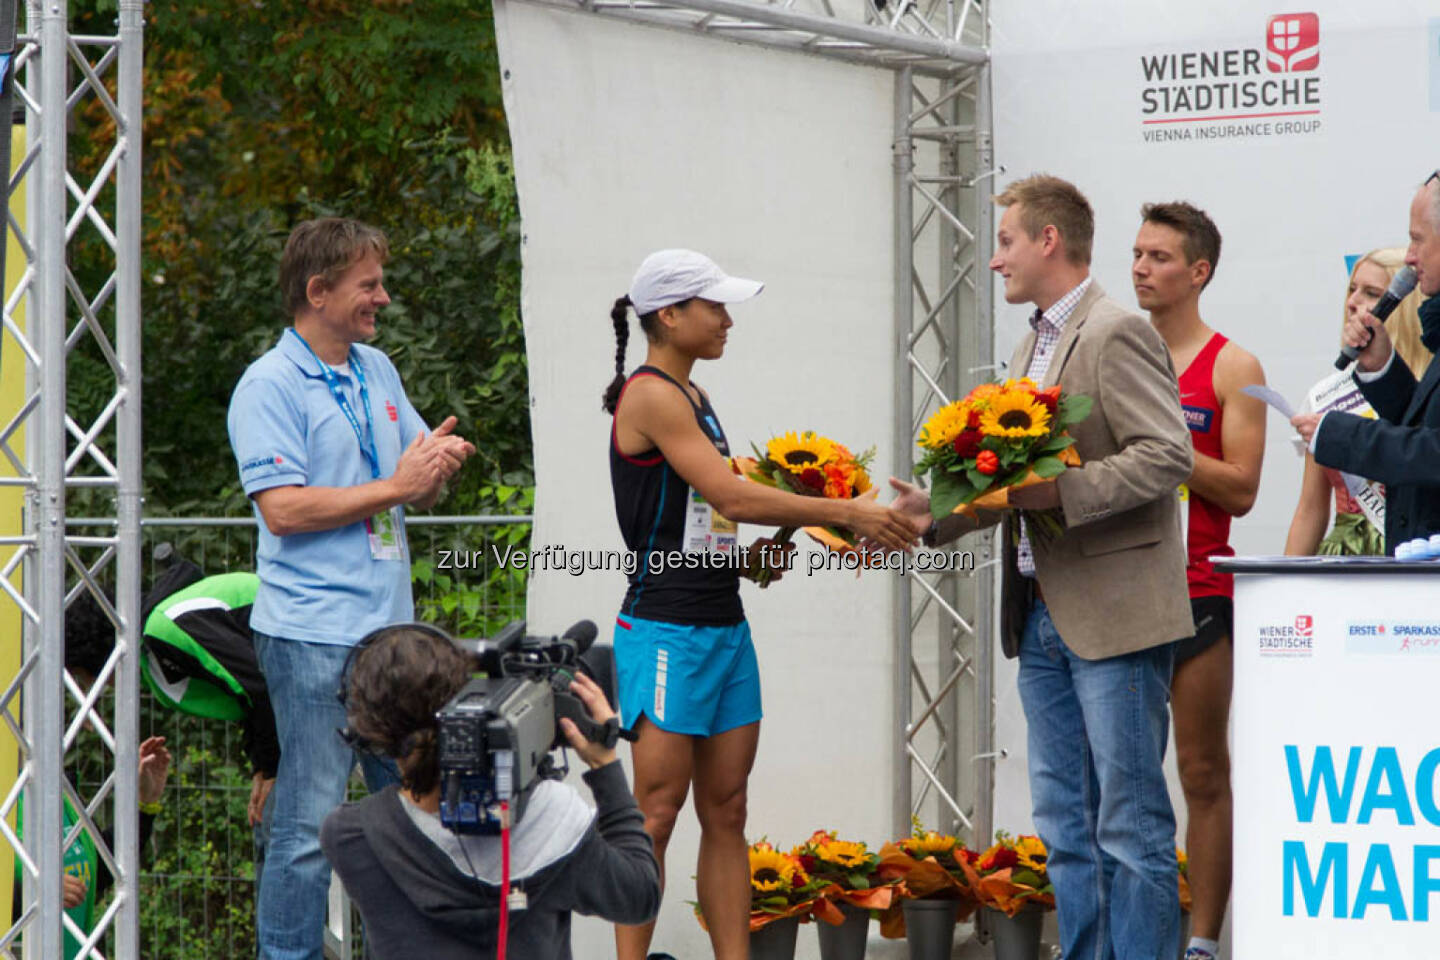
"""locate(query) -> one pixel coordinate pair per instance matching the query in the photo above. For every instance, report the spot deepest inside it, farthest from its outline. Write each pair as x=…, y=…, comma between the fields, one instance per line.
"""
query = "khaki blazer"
x=1114, y=578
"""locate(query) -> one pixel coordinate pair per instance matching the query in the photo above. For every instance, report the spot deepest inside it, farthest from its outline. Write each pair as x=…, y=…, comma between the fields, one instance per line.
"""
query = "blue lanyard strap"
x=338, y=392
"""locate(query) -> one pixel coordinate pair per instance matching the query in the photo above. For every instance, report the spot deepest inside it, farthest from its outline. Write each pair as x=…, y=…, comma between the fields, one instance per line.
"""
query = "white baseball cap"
x=669, y=276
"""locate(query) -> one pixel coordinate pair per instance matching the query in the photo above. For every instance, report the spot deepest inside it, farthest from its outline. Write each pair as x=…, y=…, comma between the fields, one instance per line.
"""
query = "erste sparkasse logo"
x=1292, y=42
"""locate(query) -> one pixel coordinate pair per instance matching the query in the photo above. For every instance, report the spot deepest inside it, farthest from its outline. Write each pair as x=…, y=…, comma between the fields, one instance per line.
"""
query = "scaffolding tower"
x=74, y=86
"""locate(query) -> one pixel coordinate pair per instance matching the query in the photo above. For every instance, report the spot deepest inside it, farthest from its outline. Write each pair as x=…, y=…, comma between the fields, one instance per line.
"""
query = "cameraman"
x=426, y=892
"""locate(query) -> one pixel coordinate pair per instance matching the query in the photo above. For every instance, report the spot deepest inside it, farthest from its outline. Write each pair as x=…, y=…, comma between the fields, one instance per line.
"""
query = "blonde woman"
x=1355, y=531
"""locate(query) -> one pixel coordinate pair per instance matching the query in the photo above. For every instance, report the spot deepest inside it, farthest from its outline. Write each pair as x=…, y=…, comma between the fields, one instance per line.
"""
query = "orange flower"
x=987, y=462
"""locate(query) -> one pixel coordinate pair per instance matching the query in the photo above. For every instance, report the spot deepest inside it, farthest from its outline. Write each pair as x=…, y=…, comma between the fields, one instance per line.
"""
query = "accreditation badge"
x=706, y=531
x=383, y=530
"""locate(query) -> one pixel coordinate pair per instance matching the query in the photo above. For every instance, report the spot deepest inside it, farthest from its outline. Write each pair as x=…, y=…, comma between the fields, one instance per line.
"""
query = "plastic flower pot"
x=846, y=941
x=775, y=940
x=930, y=928
x=1017, y=937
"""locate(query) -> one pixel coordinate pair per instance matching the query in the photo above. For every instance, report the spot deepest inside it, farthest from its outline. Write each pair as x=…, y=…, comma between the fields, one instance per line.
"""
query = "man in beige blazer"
x=1092, y=612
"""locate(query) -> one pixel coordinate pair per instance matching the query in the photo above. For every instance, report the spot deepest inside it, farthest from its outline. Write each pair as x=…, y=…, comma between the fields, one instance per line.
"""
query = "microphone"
x=581, y=634
x=1399, y=289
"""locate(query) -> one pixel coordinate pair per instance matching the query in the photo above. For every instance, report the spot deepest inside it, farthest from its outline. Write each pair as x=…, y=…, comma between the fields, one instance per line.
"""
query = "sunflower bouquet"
x=779, y=886
x=812, y=466
x=848, y=872
x=929, y=866
x=1012, y=874
x=1001, y=435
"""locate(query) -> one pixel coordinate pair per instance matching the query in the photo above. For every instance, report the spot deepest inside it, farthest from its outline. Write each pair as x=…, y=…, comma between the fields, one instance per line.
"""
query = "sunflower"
x=943, y=425
x=797, y=454
x=1015, y=413
x=1031, y=853
x=931, y=844
x=843, y=853
x=772, y=872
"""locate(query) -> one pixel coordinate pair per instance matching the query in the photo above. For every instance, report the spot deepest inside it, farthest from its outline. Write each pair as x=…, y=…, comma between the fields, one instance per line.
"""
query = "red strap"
x=638, y=461
x=504, y=881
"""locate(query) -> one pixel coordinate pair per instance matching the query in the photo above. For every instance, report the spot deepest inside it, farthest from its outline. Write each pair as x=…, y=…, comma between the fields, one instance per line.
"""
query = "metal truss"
x=943, y=170
x=928, y=38
x=943, y=683
x=81, y=86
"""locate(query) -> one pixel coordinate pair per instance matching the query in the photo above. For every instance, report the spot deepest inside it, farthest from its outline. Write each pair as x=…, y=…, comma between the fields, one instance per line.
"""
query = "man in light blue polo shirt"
x=331, y=452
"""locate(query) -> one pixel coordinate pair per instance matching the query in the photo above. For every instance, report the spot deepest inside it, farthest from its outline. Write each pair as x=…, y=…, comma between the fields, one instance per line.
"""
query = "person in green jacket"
x=197, y=657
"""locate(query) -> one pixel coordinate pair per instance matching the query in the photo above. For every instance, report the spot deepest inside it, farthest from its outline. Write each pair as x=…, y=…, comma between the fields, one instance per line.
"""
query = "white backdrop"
x=628, y=139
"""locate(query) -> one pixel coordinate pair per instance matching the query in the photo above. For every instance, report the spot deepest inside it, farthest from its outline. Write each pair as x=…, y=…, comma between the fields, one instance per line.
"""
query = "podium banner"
x=1336, y=765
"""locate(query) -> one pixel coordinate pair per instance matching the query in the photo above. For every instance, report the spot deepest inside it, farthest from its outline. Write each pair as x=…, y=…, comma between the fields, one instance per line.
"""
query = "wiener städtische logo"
x=1292, y=42
x=1270, y=89
x=1292, y=638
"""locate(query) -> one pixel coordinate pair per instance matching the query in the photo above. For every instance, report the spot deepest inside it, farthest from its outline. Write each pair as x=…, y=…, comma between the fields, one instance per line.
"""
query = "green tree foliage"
x=258, y=115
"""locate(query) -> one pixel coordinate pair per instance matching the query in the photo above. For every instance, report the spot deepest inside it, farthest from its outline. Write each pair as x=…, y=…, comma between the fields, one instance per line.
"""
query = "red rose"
x=807, y=862
x=972, y=422
x=967, y=443
x=1049, y=399
x=813, y=478
x=970, y=856
x=986, y=462
x=1003, y=857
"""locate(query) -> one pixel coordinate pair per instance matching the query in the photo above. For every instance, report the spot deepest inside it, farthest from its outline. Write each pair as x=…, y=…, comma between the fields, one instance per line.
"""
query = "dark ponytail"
x=649, y=325
x=622, y=337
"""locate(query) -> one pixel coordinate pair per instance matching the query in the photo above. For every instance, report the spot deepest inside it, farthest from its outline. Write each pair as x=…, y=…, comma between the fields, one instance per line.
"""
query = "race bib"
x=384, y=533
x=706, y=531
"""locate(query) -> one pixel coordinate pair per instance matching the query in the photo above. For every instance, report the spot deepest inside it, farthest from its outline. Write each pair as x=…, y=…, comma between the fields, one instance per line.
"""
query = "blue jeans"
x=260, y=837
x=1097, y=732
x=315, y=764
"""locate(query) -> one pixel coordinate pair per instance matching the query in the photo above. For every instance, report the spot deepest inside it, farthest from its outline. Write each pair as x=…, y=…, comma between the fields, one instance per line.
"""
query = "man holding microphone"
x=1402, y=447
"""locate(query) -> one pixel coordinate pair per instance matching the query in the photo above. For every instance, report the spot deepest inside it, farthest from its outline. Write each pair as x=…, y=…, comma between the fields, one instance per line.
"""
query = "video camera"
x=498, y=731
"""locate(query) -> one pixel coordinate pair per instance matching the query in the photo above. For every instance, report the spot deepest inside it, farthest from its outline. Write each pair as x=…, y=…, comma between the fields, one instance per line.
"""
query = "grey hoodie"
x=417, y=903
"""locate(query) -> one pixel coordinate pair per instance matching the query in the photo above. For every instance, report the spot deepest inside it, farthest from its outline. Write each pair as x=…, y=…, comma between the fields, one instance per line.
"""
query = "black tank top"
x=651, y=503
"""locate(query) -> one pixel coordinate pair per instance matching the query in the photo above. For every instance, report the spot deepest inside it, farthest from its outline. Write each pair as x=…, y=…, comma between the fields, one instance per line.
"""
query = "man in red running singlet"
x=1175, y=256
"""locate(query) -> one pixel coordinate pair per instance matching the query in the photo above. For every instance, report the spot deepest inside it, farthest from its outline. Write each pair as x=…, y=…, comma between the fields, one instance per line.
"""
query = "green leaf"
x=1056, y=444
x=1074, y=408
x=1023, y=875
x=979, y=481
x=1048, y=467
x=947, y=492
